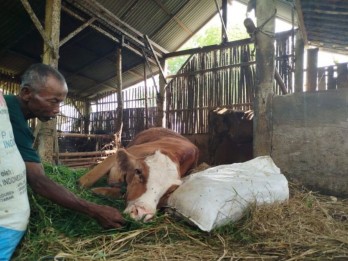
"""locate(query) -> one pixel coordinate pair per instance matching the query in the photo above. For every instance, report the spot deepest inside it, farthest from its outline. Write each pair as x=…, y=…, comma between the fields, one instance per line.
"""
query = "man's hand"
x=108, y=217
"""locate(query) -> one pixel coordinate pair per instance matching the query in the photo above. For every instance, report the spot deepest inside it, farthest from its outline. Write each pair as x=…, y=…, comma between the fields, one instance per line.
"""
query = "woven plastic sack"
x=221, y=194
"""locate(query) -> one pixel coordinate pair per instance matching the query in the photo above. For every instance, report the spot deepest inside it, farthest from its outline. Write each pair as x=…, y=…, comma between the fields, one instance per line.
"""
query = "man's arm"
x=107, y=217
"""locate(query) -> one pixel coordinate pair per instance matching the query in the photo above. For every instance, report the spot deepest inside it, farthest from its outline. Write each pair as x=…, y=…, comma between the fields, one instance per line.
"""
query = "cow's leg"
x=108, y=192
x=97, y=172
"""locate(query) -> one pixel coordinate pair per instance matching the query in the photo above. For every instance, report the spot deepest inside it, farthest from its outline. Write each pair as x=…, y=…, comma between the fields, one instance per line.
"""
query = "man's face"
x=44, y=104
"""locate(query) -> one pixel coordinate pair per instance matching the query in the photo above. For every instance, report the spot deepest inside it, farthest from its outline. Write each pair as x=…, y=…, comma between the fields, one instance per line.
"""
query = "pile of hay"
x=309, y=227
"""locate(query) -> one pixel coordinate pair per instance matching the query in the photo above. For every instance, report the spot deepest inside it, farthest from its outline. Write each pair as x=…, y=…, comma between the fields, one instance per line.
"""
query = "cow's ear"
x=97, y=172
x=125, y=160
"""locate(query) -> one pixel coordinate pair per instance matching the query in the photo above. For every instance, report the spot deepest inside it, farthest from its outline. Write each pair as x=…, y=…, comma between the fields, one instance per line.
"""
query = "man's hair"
x=36, y=76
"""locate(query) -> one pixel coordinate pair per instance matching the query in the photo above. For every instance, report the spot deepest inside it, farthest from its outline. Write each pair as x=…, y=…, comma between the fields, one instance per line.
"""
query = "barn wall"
x=310, y=139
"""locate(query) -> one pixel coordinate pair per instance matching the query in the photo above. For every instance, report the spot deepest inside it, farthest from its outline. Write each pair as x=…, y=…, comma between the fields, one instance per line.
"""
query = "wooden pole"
x=146, y=101
x=86, y=117
x=312, y=69
x=119, y=110
x=265, y=69
x=224, y=36
x=160, y=97
x=46, y=140
x=280, y=81
x=331, y=81
x=321, y=79
x=342, y=76
x=299, y=52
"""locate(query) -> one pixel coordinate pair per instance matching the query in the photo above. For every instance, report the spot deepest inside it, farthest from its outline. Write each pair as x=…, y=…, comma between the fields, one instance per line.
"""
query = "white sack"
x=221, y=194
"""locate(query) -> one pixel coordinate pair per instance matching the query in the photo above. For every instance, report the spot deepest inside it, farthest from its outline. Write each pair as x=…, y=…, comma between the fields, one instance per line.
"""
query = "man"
x=14, y=204
x=42, y=90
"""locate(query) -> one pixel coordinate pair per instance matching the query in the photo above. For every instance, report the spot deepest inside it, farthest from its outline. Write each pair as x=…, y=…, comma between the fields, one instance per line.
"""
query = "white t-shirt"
x=14, y=204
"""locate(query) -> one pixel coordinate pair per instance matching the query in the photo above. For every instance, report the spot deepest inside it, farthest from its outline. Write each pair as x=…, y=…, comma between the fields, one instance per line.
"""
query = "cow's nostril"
x=135, y=211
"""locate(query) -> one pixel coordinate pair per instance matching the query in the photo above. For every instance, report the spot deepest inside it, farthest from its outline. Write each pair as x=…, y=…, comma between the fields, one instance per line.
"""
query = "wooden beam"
x=156, y=59
x=300, y=21
x=192, y=73
x=37, y=23
x=223, y=26
x=151, y=72
x=177, y=20
x=78, y=30
x=112, y=20
x=105, y=33
x=207, y=48
x=325, y=12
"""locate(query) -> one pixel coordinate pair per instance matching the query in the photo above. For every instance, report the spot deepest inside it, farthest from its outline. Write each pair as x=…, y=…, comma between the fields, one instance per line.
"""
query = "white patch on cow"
x=163, y=173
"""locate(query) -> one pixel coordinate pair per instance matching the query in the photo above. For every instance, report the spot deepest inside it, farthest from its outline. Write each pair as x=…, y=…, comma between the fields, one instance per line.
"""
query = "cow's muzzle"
x=139, y=213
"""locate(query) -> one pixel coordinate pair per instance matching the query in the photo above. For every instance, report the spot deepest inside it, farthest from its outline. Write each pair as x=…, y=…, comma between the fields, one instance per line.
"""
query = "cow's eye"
x=137, y=172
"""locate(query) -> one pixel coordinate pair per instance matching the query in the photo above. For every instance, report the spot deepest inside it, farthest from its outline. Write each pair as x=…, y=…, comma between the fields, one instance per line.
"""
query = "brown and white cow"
x=151, y=166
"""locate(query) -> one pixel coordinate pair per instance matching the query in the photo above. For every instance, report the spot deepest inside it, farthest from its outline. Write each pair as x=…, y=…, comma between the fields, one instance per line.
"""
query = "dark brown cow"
x=151, y=166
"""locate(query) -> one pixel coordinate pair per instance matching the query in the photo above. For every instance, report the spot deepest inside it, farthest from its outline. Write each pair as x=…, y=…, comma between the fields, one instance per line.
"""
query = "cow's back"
x=154, y=134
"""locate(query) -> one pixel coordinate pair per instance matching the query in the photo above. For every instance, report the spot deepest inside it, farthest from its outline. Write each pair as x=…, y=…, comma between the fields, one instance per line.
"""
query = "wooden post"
x=312, y=69
x=46, y=138
x=299, y=52
x=331, y=81
x=265, y=69
x=160, y=96
x=321, y=79
x=119, y=110
x=86, y=117
x=146, y=99
x=342, y=76
x=224, y=37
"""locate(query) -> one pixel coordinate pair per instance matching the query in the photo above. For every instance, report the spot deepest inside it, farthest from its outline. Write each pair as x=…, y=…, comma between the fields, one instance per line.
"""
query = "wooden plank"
x=86, y=154
x=82, y=159
x=81, y=135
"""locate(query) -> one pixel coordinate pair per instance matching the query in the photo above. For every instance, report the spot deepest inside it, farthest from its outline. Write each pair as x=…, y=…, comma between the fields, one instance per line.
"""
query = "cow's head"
x=147, y=180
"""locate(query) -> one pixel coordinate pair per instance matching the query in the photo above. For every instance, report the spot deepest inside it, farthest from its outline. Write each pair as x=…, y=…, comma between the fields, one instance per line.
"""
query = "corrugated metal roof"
x=88, y=59
x=325, y=23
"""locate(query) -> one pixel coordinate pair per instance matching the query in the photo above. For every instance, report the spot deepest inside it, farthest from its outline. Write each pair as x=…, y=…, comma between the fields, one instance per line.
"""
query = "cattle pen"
x=236, y=100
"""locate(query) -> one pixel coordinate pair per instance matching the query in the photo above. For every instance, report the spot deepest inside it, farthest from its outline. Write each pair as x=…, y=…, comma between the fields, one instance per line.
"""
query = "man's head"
x=43, y=88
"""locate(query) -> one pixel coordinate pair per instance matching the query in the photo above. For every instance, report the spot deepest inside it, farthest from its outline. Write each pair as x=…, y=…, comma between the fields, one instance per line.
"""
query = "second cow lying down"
x=151, y=167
